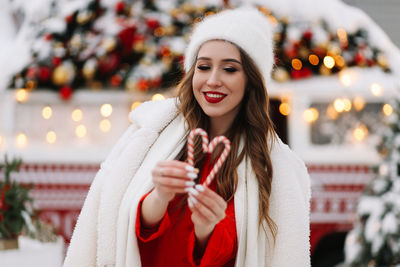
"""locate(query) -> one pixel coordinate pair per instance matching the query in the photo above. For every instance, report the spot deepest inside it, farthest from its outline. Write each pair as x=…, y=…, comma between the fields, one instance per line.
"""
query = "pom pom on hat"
x=246, y=27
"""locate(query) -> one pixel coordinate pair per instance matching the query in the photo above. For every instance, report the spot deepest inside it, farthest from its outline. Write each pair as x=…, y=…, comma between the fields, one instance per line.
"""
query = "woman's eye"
x=203, y=67
x=231, y=70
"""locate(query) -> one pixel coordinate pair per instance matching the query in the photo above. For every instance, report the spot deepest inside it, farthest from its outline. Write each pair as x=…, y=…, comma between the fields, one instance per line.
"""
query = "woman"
x=144, y=207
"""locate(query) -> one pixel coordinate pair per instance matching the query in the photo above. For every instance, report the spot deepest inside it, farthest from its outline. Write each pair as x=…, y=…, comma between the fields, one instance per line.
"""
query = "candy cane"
x=190, y=147
x=221, y=159
x=208, y=148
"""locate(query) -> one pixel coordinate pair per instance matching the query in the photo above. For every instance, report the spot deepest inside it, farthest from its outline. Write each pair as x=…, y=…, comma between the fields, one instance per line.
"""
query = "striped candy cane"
x=208, y=148
x=190, y=146
x=221, y=159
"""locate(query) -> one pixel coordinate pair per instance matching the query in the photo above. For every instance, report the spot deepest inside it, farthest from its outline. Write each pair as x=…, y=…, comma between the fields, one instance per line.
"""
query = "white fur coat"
x=105, y=232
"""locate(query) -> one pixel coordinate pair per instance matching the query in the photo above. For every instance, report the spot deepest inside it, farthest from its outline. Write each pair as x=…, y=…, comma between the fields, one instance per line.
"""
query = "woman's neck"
x=219, y=126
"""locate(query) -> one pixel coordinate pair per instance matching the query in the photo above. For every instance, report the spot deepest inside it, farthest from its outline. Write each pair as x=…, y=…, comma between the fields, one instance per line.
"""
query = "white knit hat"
x=246, y=27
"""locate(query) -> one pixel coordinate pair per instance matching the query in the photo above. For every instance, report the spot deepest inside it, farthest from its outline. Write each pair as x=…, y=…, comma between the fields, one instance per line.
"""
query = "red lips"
x=214, y=97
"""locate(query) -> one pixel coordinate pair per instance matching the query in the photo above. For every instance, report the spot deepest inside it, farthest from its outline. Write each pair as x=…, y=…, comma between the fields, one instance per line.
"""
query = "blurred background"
x=71, y=71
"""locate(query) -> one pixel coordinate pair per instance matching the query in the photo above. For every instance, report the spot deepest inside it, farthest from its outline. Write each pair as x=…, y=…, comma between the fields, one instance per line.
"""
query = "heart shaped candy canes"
x=206, y=147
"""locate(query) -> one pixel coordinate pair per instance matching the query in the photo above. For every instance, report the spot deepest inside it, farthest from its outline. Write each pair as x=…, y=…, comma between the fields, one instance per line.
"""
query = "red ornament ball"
x=119, y=7
x=48, y=37
x=31, y=72
x=359, y=58
x=152, y=23
x=126, y=38
x=56, y=61
x=109, y=63
x=116, y=80
x=44, y=73
x=143, y=84
x=307, y=35
x=65, y=92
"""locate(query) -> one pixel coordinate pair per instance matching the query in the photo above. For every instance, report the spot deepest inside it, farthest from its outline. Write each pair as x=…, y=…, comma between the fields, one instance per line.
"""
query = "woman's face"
x=219, y=80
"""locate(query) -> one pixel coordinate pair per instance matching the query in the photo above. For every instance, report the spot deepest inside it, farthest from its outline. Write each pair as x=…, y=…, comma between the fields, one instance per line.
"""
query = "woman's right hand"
x=172, y=177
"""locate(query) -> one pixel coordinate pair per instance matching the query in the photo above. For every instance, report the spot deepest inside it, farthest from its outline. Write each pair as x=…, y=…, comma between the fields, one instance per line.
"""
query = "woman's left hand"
x=208, y=208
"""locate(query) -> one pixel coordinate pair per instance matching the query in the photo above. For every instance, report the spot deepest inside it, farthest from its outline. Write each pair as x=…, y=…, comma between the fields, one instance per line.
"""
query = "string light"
x=376, y=89
x=159, y=32
x=339, y=61
x=339, y=105
x=347, y=104
x=47, y=112
x=157, y=97
x=360, y=133
x=358, y=103
x=347, y=77
x=77, y=115
x=51, y=137
x=106, y=110
x=387, y=109
x=105, y=125
x=30, y=85
x=331, y=112
x=21, y=95
x=296, y=64
x=329, y=62
x=80, y=131
x=21, y=140
x=314, y=60
x=310, y=115
x=284, y=108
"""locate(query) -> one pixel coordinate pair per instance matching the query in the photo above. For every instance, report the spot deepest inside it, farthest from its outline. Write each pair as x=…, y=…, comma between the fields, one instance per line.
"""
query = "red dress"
x=172, y=242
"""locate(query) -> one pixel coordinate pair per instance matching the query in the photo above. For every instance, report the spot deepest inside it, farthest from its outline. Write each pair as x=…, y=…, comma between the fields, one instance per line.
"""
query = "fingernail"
x=193, y=200
x=189, y=183
x=200, y=188
x=189, y=168
x=192, y=191
x=192, y=175
x=190, y=203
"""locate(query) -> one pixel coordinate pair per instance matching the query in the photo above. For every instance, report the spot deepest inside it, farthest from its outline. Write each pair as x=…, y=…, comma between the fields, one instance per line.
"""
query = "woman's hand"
x=172, y=177
x=208, y=208
x=169, y=178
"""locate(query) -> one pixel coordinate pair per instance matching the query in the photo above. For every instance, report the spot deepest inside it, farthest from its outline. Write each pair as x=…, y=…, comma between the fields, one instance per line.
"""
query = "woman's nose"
x=214, y=79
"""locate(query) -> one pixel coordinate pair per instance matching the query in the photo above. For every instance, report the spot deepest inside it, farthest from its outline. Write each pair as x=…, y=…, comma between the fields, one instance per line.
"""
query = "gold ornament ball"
x=174, y=12
x=324, y=70
x=188, y=8
x=170, y=30
x=109, y=44
x=88, y=72
x=303, y=52
x=131, y=85
x=382, y=60
x=139, y=47
x=84, y=17
x=280, y=75
x=60, y=75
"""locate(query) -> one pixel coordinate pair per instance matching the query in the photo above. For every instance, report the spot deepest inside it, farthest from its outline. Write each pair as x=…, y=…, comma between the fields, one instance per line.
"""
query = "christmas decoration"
x=302, y=54
x=139, y=45
x=15, y=212
x=375, y=239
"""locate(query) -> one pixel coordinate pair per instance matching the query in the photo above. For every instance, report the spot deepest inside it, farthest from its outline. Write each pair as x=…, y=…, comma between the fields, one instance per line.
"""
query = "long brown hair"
x=253, y=124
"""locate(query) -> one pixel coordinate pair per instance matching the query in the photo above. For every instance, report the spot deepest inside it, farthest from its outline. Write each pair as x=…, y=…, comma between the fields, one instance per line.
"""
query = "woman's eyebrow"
x=224, y=60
